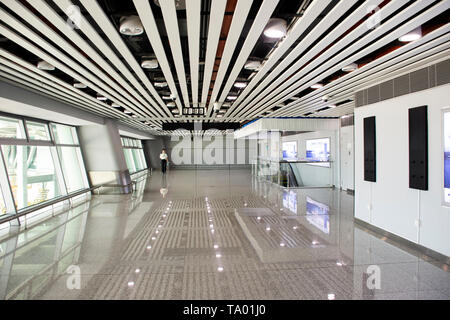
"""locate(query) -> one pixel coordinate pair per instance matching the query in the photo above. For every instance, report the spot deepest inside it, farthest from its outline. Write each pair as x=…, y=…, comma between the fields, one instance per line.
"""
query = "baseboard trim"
x=434, y=257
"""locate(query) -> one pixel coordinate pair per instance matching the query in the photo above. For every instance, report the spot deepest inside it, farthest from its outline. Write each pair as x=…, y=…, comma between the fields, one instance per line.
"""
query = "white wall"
x=347, y=158
x=334, y=150
x=389, y=203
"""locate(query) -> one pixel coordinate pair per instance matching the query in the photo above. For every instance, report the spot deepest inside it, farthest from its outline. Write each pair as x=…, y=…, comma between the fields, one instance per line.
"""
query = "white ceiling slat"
x=193, y=16
x=61, y=24
x=288, y=89
x=237, y=24
x=273, y=82
x=215, y=26
x=260, y=22
x=313, y=11
x=102, y=20
x=350, y=83
x=169, y=12
x=151, y=29
x=52, y=35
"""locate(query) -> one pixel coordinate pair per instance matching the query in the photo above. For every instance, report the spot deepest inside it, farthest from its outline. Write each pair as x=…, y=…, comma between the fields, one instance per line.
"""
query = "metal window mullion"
x=6, y=186
x=82, y=167
x=58, y=171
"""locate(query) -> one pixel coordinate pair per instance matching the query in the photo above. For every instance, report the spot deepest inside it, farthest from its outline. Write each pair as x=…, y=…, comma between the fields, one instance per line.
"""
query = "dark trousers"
x=163, y=166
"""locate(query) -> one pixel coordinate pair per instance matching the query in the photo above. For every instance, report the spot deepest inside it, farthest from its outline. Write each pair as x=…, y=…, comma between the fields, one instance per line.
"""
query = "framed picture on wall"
x=446, y=156
x=289, y=150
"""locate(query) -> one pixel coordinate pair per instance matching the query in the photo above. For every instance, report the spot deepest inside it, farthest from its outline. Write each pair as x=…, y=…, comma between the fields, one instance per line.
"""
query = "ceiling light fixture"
x=351, y=67
x=79, y=85
x=160, y=84
x=131, y=26
x=240, y=85
x=317, y=86
x=231, y=98
x=115, y=105
x=101, y=98
x=276, y=28
x=171, y=104
x=44, y=65
x=149, y=64
x=253, y=65
x=127, y=112
x=179, y=4
x=413, y=35
x=332, y=106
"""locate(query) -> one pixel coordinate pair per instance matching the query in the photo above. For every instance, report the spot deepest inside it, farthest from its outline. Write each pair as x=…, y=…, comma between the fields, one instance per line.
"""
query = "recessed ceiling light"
x=276, y=28
x=166, y=98
x=240, y=85
x=317, y=86
x=231, y=98
x=79, y=85
x=101, y=98
x=115, y=105
x=351, y=67
x=331, y=296
x=175, y=111
x=413, y=35
x=127, y=112
x=149, y=64
x=131, y=26
x=253, y=65
x=332, y=106
x=160, y=84
x=171, y=104
x=219, y=116
x=44, y=65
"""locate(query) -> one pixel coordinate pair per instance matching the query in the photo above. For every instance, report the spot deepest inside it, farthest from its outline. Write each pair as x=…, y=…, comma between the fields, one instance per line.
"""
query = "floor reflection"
x=213, y=235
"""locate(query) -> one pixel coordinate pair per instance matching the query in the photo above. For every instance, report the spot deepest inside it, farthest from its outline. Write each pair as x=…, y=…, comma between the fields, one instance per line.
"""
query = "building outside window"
x=134, y=154
x=40, y=161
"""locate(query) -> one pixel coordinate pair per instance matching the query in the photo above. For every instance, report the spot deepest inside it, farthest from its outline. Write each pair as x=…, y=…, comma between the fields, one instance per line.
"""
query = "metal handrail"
x=57, y=200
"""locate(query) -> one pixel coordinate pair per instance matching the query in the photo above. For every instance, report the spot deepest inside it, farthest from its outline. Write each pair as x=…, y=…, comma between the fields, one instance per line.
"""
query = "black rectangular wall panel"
x=370, y=150
x=418, y=148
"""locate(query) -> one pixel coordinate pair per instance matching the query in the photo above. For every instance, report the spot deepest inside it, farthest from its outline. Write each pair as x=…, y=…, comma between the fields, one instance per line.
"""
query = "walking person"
x=164, y=160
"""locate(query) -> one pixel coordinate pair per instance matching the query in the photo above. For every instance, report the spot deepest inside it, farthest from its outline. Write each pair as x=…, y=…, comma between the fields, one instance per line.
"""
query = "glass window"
x=37, y=131
x=64, y=134
x=31, y=174
x=2, y=204
x=72, y=167
x=139, y=143
x=129, y=160
x=11, y=128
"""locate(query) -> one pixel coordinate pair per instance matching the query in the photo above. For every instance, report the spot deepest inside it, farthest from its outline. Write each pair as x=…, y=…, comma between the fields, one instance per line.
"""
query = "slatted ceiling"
x=403, y=59
x=383, y=66
x=286, y=90
x=201, y=65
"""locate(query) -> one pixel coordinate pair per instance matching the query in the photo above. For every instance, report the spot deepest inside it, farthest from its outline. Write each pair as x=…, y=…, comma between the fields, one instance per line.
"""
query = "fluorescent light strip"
x=215, y=26
x=330, y=58
x=148, y=20
x=237, y=24
x=261, y=19
x=193, y=16
x=98, y=41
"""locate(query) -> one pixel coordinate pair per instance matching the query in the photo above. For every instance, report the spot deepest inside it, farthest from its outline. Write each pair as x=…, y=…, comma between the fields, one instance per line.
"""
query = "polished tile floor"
x=213, y=235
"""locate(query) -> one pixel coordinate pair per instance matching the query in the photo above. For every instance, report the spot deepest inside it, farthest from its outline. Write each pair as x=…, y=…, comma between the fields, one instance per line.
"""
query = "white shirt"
x=163, y=156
